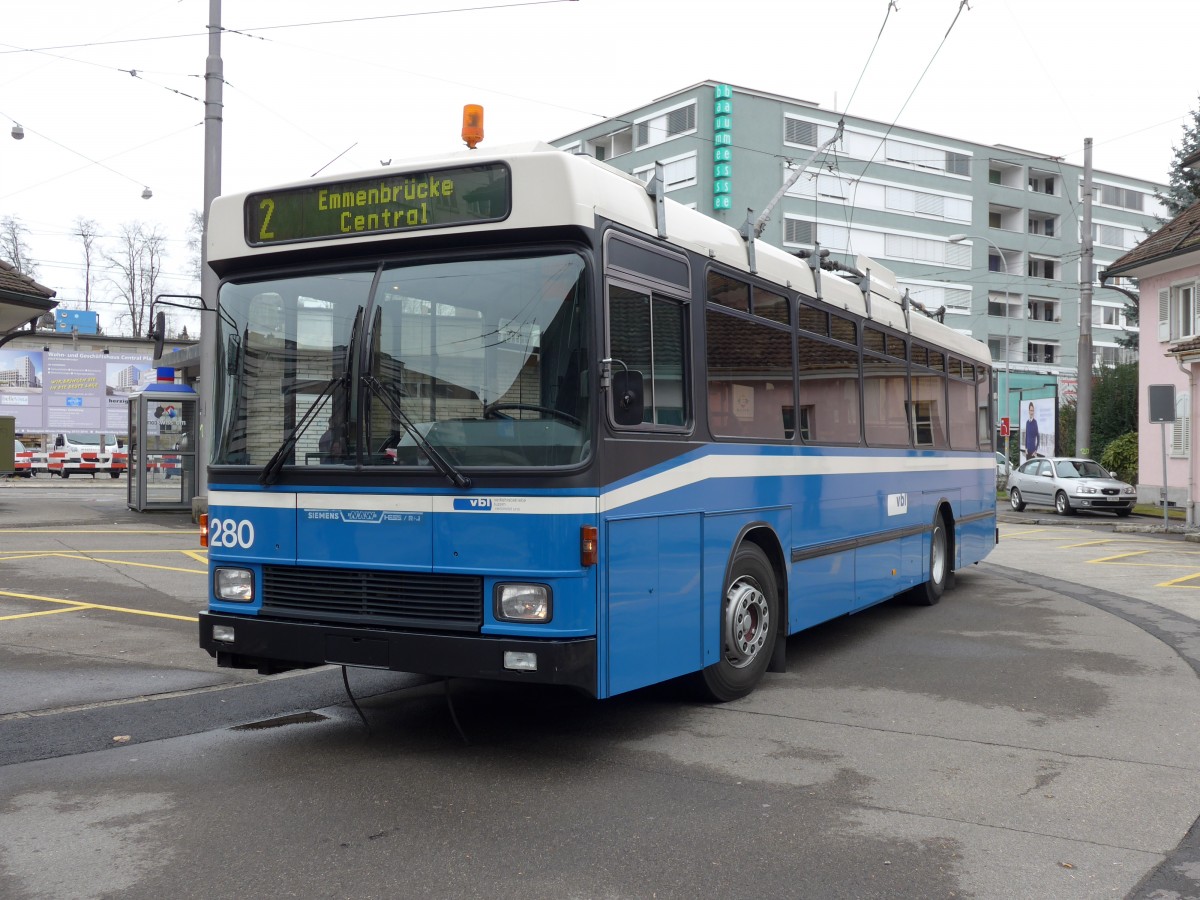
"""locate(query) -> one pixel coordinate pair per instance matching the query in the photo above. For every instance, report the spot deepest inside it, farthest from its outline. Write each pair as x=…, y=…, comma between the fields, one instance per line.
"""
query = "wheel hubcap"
x=937, y=556
x=747, y=622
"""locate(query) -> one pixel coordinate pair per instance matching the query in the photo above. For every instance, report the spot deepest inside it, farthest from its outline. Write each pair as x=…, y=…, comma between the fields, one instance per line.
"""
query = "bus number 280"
x=231, y=533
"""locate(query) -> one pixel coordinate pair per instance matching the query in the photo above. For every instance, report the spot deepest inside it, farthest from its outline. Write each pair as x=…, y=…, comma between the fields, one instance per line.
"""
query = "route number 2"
x=231, y=533
x=267, y=205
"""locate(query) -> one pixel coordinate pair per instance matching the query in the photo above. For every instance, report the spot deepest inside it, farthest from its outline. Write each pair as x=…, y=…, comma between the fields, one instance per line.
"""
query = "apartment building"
x=906, y=198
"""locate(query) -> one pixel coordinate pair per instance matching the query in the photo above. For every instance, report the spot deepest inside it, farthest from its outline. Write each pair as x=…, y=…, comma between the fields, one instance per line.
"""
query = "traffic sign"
x=1005, y=427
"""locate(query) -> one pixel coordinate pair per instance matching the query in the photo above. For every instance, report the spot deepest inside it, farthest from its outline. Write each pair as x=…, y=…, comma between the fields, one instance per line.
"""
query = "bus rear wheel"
x=749, y=626
x=929, y=593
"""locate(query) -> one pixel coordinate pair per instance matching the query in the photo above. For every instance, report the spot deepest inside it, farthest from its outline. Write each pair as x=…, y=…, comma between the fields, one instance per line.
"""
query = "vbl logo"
x=475, y=503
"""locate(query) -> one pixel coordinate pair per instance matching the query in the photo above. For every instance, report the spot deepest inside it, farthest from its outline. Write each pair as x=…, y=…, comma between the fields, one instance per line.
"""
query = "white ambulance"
x=85, y=454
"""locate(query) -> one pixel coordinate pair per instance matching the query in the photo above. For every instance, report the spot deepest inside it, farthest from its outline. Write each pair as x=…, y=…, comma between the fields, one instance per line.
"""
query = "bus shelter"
x=162, y=447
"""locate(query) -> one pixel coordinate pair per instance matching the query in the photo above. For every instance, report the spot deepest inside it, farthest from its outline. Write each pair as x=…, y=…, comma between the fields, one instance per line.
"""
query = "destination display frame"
x=385, y=203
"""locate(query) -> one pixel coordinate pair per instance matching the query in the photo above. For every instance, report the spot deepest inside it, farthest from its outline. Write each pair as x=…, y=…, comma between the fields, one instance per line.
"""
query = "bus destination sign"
x=386, y=203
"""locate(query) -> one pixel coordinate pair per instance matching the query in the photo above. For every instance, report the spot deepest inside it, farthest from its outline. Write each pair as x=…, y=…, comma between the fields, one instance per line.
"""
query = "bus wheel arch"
x=752, y=618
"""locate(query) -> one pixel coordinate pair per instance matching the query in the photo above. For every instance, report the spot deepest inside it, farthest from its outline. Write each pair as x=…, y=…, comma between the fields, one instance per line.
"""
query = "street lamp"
x=958, y=239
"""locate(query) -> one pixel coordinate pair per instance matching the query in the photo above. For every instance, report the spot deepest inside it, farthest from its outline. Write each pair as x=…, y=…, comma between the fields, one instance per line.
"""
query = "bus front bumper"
x=274, y=645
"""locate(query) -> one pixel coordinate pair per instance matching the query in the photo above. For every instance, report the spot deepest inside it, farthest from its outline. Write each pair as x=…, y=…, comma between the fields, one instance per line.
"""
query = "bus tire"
x=65, y=474
x=749, y=625
x=929, y=593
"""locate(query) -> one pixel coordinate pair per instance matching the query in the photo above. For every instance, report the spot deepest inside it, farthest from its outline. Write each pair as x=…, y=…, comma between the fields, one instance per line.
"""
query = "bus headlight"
x=523, y=602
x=234, y=585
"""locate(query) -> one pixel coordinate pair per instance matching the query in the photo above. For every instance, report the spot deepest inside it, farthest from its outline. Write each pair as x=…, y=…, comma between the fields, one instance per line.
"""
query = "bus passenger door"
x=654, y=600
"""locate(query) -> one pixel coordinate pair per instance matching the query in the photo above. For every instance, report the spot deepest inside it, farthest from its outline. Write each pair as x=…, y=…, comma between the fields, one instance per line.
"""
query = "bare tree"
x=88, y=233
x=14, y=248
x=195, y=241
x=137, y=266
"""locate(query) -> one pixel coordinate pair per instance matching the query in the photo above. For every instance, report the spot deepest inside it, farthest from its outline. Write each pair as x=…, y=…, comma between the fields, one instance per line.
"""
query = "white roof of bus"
x=552, y=187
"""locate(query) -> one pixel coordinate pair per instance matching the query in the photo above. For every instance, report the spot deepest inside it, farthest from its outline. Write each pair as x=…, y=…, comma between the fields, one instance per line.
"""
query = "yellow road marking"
x=1105, y=559
x=1004, y=534
x=110, y=531
x=124, y=562
x=115, y=562
x=77, y=605
x=44, y=612
x=157, y=551
x=1181, y=582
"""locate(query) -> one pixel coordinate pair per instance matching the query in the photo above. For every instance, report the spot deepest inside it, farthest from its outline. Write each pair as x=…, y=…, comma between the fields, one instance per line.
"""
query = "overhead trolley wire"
x=882, y=141
x=891, y=4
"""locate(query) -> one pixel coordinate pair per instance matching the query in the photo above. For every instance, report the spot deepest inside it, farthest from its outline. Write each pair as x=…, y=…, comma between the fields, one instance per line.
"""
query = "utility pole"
x=214, y=82
x=1083, y=395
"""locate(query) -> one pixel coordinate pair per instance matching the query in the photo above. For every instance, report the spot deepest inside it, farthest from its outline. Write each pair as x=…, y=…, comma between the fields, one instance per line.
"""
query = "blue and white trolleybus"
x=514, y=415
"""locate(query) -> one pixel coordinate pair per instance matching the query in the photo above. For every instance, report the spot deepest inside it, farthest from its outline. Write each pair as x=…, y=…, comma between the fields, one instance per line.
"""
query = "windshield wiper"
x=443, y=465
x=270, y=472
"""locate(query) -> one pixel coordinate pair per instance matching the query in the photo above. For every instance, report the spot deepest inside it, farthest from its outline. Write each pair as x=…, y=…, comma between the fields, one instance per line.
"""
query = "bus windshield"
x=480, y=362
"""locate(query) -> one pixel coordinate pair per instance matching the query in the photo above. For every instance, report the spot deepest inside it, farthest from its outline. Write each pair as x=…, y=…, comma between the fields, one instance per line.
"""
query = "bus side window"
x=646, y=335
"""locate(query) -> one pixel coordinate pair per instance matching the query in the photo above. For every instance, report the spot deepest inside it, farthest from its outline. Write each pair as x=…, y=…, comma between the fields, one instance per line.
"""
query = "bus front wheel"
x=749, y=625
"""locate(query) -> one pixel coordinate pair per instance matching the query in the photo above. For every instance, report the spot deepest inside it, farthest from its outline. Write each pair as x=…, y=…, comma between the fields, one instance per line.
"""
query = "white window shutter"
x=1164, y=315
x=1181, y=429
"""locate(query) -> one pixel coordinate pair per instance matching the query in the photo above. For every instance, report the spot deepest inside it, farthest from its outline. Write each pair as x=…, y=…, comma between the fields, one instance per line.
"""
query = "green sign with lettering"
x=465, y=195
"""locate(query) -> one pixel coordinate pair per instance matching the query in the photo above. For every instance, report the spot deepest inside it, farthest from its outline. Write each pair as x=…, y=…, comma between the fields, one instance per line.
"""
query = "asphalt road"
x=1033, y=735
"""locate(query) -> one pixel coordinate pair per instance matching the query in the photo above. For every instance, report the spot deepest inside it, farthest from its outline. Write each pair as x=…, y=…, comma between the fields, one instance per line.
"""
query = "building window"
x=1043, y=182
x=1044, y=309
x=797, y=131
x=958, y=163
x=1004, y=305
x=1042, y=267
x=1042, y=352
x=1110, y=355
x=797, y=231
x=998, y=263
x=1182, y=311
x=678, y=172
x=1109, y=316
x=1123, y=198
x=606, y=146
x=1004, y=348
x=1043, y=223
x=664, y=126
x=1115, y=236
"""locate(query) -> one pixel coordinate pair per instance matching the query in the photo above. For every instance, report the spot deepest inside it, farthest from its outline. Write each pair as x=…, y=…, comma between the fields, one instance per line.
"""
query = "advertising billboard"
x=72, y=391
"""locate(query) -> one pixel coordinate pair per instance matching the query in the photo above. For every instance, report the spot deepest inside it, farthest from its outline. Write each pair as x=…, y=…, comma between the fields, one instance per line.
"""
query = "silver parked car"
x=1069, y=485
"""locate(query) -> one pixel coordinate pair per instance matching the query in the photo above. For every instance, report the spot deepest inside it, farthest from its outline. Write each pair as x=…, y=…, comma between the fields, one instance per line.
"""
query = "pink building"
x=1167, y=266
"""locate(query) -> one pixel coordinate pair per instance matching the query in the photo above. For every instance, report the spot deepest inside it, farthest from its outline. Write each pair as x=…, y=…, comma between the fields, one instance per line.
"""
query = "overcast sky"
x=341, y=87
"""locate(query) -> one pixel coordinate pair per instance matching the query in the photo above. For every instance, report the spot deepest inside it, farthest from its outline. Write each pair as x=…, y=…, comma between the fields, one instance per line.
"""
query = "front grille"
x=1110, y=491
x=403, y=599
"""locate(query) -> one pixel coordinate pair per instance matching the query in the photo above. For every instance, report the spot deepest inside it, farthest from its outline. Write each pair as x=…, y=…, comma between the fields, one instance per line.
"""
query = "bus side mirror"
x=159, y=333
x=628, y=398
